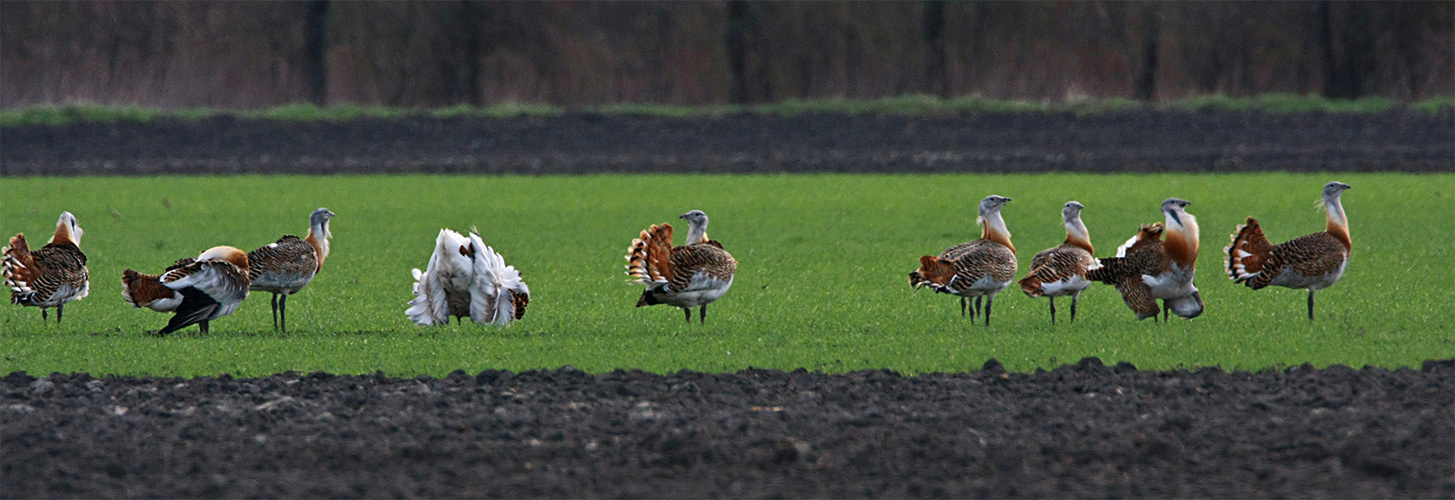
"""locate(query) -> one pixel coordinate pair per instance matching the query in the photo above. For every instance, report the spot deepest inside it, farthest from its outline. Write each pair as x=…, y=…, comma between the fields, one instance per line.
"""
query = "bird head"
x=319, y=219
x=992, y=204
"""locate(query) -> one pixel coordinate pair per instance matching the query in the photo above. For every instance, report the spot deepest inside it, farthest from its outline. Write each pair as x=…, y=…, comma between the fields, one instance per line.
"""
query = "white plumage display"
x=467, y=278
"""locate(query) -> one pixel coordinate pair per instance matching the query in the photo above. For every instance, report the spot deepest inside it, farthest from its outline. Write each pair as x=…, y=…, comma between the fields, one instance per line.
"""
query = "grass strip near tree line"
x=62, y=114
x=822, y=281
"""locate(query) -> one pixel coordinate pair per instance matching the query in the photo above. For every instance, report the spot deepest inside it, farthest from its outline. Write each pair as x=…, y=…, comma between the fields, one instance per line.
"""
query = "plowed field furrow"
x=1085, y=430
x=1145, y=141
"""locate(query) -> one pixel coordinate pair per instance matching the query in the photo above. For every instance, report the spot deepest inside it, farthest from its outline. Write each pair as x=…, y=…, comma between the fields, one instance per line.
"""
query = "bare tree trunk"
x=739, y=22
x=1147, y=78
x=934, y=37
x=472, y=16
x=1341, y=78
x=313, y=61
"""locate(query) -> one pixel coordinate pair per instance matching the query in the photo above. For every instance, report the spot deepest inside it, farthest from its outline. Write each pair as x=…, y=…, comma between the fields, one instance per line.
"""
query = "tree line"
x=235, y=54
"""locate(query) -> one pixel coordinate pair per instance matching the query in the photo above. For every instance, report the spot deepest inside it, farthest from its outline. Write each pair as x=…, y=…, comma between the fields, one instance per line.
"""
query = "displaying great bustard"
x=692, y=275
x=196, y=290
x=51, y=276
x=466, y=278
x=1061, y=271
x=286, y=266
x=1313, y=262
x=1146, y=268
x=978, y=269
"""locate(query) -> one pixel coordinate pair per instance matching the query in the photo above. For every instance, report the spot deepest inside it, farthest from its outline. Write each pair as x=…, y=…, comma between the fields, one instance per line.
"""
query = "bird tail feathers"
x=145, y=290
x=649, y=258
x=18, y=268
x=933, y=272
x=1031, y=285
x=1248, y=251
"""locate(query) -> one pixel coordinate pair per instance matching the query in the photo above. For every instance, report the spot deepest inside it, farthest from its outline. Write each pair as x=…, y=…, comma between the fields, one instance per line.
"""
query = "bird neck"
x=696, y=234
x=1338, y=224
x=64, y=235
x=992, y=227
x=1182, y=239
x=1076, y=235
x=318, y=238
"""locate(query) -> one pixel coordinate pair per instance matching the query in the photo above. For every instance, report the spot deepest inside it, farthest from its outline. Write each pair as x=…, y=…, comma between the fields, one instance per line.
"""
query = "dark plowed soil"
x=1083, y=431
x=1147, y=141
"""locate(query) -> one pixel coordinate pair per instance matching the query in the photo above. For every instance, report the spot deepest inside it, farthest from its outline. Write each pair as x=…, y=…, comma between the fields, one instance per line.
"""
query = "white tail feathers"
x=466, y=278
x=1122, y=250
x=496, y=290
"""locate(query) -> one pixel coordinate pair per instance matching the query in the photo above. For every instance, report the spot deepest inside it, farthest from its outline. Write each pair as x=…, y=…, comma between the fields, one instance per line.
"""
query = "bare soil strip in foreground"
x=1084, y=430
x=1132, y=141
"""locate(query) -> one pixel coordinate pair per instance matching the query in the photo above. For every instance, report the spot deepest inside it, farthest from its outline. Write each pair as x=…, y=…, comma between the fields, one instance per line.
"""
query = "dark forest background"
x=253, y=54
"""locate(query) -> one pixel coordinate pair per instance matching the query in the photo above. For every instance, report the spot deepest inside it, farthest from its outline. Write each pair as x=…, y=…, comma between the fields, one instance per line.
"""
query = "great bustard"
x=1311, y=262
x=196, y=290
x=1061, y=271
x=1147, y=268
x=980, y=268
x=286, y=266
x=692, y=275
x=49, y=277
x=467, y=278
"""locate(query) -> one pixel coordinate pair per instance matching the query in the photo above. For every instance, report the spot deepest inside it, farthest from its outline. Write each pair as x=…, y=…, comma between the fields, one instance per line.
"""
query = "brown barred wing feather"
x=705, y=258
x=1312, y=255
x=1057, y=264
x=289, y=256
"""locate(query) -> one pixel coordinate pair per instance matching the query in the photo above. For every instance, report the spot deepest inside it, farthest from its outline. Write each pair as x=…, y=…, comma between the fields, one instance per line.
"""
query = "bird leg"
x=283, y=312
x=1074, y=296
x=977, y=306
x=1310, y=306
x=1166, y=309
x=43, y=317
x=688, y=311
x=274, y=303
x=1053, y=309
x=59, y=309
x=202, y=326
x=962, y=306
x=988, y=300
x=702, y=312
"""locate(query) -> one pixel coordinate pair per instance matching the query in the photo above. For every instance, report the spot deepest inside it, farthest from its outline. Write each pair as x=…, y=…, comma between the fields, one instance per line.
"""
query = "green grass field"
x=821, y=285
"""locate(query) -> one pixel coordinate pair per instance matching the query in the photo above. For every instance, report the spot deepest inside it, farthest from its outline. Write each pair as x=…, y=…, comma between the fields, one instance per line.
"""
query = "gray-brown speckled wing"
x=709, y=258
x=978, y=259
x=1060, y=263
x=60, y=266
x=286, y=265
x=1311, y=255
